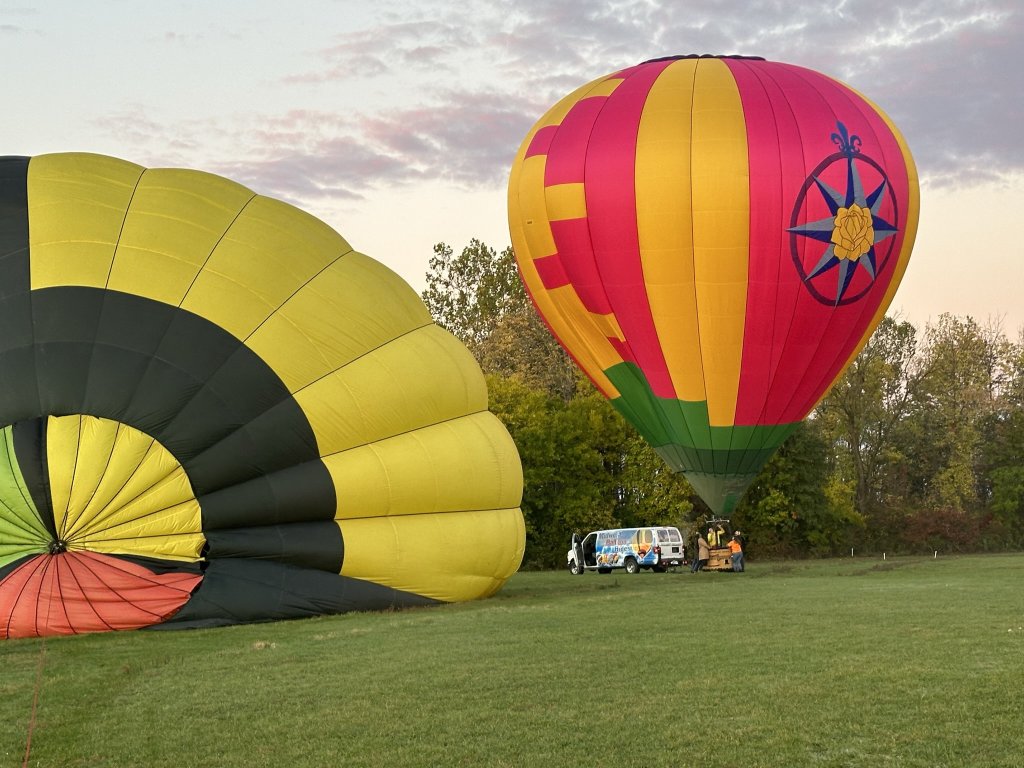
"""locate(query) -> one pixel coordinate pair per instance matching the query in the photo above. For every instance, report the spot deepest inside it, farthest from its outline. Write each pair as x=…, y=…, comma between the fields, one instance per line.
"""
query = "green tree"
x=651, y=493
x=786, y=511
x=958, y=400
x=469, y=293
x=1003, y=451
x=567, y=485
x=865, y=416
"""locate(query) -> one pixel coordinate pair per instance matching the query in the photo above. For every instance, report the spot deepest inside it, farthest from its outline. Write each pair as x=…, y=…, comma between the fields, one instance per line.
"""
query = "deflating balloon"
x=214, y=411
x=713, y=239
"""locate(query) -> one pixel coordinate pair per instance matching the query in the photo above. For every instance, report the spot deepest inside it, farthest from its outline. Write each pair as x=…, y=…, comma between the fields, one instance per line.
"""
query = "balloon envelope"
x=713, y=239
x=214, y=411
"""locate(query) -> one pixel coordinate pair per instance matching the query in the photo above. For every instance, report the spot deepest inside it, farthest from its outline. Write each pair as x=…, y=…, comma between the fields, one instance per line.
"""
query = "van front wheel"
x=574, y=568
x=631, y=565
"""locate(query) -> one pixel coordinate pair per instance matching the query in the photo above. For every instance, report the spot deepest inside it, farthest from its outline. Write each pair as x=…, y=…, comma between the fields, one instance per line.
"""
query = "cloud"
x=426, y=46
x=450, y=96
x=948, y=73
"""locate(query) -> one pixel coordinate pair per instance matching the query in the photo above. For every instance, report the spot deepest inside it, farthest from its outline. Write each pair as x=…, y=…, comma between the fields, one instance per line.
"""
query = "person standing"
x=736, y=554
x=703, y=554
x=743, y=550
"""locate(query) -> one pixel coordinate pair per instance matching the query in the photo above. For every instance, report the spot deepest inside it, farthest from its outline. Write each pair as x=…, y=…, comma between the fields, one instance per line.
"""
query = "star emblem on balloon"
x=853, y=226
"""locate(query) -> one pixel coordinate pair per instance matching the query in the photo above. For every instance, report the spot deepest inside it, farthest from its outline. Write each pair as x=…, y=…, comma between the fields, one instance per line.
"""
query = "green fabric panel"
x=662, y=421
x=21, y=530
x=719, y=462
x=721, y=492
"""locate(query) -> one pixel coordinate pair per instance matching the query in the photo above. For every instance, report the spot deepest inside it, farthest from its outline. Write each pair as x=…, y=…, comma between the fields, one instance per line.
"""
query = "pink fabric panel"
x=611, y=212
x=794, y=345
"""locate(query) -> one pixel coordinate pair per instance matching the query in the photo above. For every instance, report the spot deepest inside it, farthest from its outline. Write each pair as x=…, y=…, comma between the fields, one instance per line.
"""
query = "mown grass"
x=907, y=662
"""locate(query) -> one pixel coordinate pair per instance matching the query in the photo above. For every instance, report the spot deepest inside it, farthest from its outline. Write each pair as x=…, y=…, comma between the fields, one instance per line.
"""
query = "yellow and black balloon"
x=215, y=411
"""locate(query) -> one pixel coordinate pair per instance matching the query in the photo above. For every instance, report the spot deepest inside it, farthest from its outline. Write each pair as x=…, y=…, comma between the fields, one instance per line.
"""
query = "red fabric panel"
x=576, y=254
x=794, y=345
x=611, y=213
x=565, y=165
x=541, y=140
x=76, y=592
x=551, y=272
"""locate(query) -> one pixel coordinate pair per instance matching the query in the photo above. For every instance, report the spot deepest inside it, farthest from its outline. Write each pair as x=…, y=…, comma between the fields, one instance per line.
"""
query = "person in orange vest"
x=736, y=554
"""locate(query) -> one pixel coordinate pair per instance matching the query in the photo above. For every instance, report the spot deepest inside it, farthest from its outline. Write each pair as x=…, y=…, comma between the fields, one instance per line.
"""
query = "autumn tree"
x=477, y=295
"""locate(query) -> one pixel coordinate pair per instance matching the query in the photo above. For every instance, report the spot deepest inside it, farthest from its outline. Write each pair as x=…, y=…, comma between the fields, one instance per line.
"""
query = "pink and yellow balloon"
x=713, y=240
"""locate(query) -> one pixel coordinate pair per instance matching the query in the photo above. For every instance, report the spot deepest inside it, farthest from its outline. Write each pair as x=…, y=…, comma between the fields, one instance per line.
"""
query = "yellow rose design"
x=854, y=233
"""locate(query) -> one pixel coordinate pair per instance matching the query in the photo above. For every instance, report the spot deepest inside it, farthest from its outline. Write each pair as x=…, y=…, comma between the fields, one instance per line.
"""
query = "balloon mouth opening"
x=704, y=56
x=57, y=546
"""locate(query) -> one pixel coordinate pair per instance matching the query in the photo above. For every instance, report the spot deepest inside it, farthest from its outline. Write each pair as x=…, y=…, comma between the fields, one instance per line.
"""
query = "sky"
x=396, y=121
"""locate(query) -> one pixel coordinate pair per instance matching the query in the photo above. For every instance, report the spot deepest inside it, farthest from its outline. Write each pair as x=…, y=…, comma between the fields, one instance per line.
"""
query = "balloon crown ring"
x=57, y=546
x=704, y=56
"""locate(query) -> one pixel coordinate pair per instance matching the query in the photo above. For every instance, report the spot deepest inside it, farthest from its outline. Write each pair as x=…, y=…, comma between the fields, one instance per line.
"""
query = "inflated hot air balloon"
x=713, y=239
x=213, y=410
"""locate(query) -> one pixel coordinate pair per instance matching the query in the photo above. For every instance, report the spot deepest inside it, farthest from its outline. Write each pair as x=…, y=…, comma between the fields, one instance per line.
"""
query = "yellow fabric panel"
x=466, y=463
x=448, y=556
x=608, y=325
x=599, y=88
x=603, y=86
x=721, y=232
x=140, y=537
x=565, y=201
x=177, y=218
x=76, y=203
x=270, y=251
x=530, y=229
x=116, y=490
x=665, y=225
x=591, y=330
x=336, y=318
x=424, y=377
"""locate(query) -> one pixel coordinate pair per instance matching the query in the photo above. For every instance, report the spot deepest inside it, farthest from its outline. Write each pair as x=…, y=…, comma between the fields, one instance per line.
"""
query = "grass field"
x=907, y=662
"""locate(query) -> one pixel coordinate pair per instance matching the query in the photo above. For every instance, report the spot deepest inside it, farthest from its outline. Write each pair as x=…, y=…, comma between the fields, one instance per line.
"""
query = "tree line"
x=918, y=447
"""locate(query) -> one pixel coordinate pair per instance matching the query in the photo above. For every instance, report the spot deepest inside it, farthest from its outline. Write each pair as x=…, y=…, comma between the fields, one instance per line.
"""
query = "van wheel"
x=631, y=565
x=574, y=568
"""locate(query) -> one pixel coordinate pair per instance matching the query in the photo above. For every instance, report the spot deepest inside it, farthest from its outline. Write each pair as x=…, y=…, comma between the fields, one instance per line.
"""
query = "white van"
x=656, y=548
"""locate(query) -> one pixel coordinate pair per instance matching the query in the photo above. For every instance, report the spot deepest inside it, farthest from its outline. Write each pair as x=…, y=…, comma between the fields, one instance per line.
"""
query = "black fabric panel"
x=149, y=563
x=265, y=441
x=30, y=451
x=162, y=566
x=307, y=545
x=6, y=570
x=177, y=377
x=272, y=499
x=20, y=395
x=248, y=591
x=14, y=274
